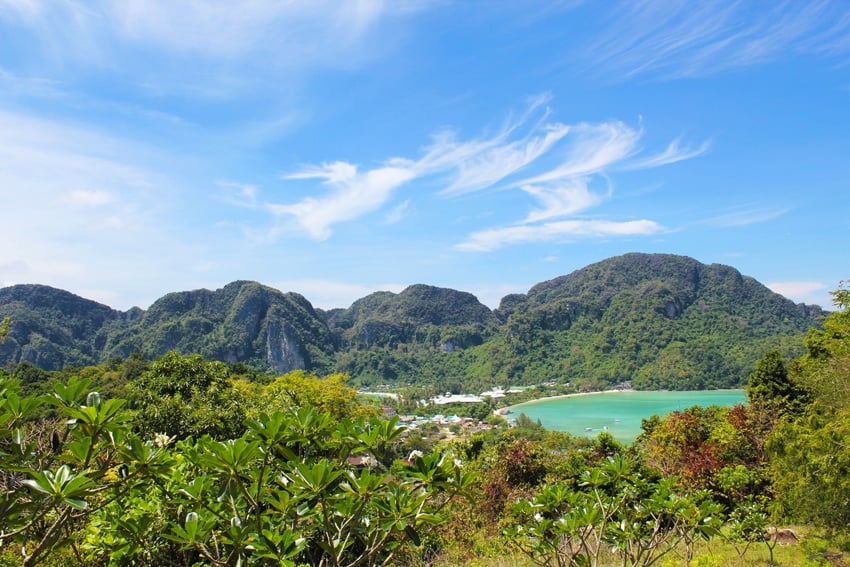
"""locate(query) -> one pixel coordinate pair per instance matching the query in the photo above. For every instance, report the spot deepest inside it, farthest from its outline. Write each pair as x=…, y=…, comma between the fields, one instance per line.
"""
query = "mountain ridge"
x=626, y=317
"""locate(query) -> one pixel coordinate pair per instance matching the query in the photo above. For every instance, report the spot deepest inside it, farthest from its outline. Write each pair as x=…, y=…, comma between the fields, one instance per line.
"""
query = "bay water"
x=620, y=412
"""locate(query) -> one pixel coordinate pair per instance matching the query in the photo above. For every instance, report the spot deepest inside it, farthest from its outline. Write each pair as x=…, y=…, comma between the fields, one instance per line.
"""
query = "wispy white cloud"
x=674, y=153
x=746, y=217
x=240, y=194
x=563, y=198
x=398, y=213
x=564, y=190
x=26, y=9
x=232, y=44
x=492, y=239
x=834, y=40
x=78, y=202
x=231, y=28
x=482, y=163
x=49, y=166
x=87, y=198
x=680, y=38
x=803, y=292
x=15, y=85
x=352, y=195
x=25, y=139
x=594, y=147
x=576, y=157
x=484, y=168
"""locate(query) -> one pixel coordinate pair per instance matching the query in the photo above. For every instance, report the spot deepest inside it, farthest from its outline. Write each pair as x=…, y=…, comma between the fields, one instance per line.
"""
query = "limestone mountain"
x=661, y=321
x=242, y=322
x=52, y=328
x=419, y=314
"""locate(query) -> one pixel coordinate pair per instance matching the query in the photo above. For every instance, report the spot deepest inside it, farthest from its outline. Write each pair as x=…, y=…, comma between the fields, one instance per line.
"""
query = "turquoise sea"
x=619, y=413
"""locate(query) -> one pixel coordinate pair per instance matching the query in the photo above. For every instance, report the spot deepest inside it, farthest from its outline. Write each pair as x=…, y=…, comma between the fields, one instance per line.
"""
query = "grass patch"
x=815, y=548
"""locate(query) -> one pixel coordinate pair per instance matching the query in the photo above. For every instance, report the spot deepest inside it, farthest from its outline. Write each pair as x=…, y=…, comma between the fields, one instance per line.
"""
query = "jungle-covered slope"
x=661, y=321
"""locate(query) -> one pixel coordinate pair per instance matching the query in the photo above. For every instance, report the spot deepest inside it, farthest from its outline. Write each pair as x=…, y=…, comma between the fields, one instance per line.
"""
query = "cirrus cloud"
x=679, y=38
x=556, y=165
x=492, y=239
x=353, y=194
x=208, y=50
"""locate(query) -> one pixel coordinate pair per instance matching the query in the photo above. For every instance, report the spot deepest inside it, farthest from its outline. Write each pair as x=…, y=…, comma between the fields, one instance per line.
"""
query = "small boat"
x=588, y=429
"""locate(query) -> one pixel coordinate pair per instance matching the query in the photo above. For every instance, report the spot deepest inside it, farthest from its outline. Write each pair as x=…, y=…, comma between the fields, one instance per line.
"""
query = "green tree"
x=187, y=396
x=298, y=389
x=32, y=378
x=771, y=388
x=285, y=492
x=266, y=498
x=525, y=422
x=810, y=468
x=810, y=456
x=748, y=524
x=57, y=473
x=825, y=367
x=613, y=507
x=714, y=448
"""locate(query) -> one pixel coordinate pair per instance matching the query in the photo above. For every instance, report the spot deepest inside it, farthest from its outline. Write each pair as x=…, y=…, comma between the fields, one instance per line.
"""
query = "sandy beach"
x=509, y=409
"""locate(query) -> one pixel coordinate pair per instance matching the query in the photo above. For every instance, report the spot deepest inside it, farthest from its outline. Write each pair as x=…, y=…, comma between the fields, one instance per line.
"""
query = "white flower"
x=162, y=439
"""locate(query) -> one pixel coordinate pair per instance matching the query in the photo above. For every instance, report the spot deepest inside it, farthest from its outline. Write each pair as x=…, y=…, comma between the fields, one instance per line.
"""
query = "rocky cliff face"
x=283, y=352
x=52, y=328
x=242, y=322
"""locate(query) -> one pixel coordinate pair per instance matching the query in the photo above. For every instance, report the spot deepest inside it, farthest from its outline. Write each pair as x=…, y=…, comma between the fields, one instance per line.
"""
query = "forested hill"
x=658, y=320
x=242, y=322
x=54, y=328
x=419, y=314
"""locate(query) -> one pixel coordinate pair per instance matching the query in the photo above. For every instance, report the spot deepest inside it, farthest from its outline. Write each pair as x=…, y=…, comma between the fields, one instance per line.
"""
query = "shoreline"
x=620, y=415
x=509, y=409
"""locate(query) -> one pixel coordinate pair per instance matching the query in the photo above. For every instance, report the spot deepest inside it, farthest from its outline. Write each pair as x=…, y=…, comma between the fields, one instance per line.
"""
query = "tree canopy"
x=187, y=396
x=811, y=454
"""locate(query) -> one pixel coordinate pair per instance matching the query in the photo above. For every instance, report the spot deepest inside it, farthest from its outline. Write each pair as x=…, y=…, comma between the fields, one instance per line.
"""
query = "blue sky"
x=339, y=148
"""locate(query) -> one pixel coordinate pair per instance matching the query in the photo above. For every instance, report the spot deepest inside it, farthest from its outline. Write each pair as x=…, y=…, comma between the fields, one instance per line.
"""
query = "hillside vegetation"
x=182, y=461
x=660, y=321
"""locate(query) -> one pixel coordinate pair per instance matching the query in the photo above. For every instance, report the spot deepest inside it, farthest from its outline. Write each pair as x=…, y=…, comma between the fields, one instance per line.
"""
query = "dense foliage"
x=811, y=460
x=659, y=321
x=91, y=479
x=292, y=489
x=187, y=396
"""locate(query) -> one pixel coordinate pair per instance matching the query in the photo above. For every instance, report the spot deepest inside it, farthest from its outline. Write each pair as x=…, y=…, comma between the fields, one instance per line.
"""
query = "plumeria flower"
x=162, y=439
